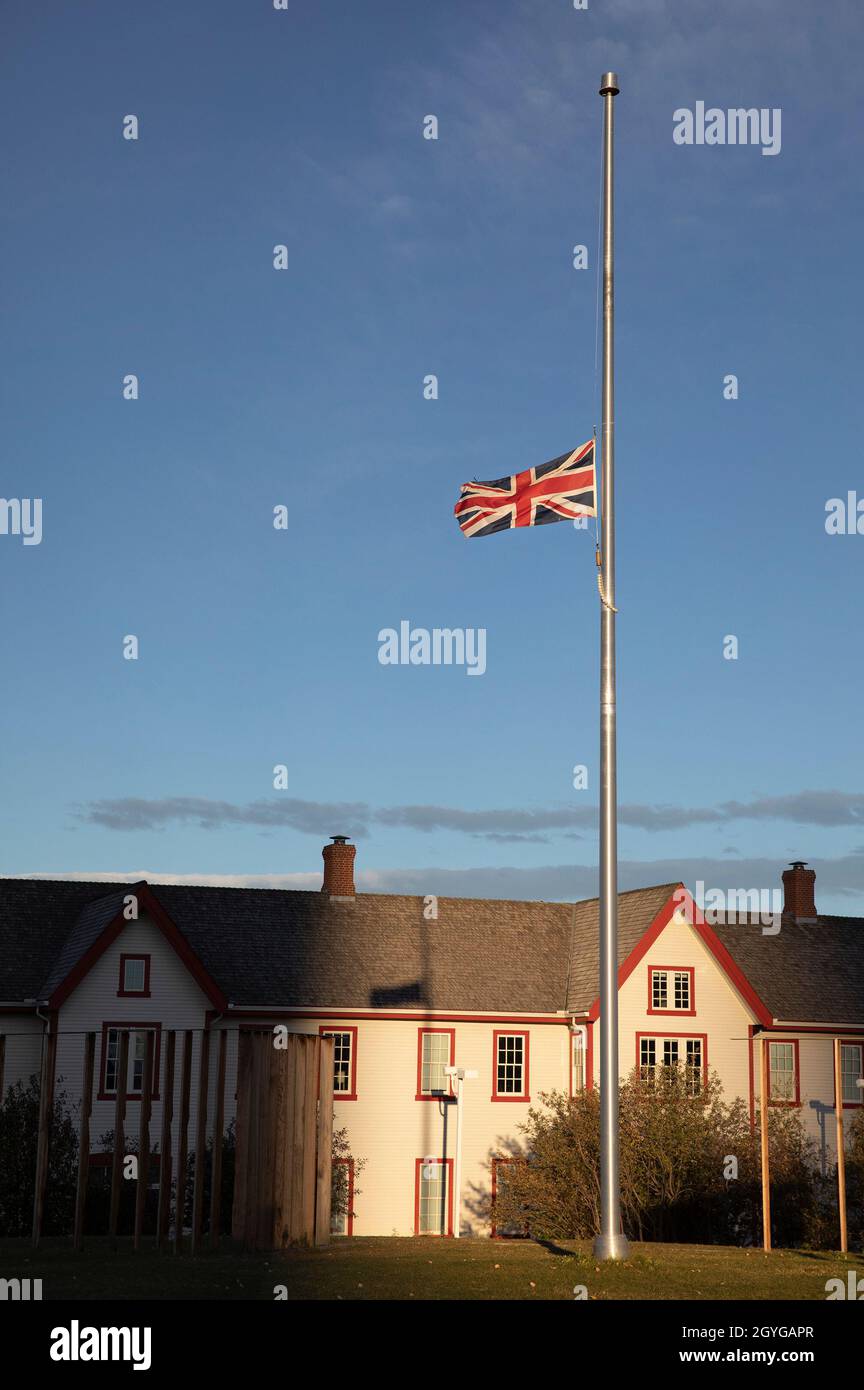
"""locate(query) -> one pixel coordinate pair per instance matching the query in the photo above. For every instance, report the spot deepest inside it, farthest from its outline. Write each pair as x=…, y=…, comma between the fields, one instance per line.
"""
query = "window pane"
x=133, y=976
x=111, y=1061
x=510, y=1065
x=435, y=1057
x=850, y=1071
x=578, y=1064
x=433, y=1199
x=682, y=990
x=782, y=1071
x=341, y=1061
x=658, y=989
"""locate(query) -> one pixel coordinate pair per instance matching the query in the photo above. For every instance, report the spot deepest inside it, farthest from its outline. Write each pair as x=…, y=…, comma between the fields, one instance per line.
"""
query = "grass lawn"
x=416, y=1268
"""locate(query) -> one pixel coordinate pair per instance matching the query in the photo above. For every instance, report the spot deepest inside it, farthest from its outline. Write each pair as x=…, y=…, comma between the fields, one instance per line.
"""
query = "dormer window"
x=134, y=977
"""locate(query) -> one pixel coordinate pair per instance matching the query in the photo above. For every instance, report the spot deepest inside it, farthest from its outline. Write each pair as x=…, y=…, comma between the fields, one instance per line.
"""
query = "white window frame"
x=853, y=1094
x=777, y=1091
x=510, y=1060
x=431, y=1066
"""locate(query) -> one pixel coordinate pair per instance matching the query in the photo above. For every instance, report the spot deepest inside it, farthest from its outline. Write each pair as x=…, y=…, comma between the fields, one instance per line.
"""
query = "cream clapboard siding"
x=816, y=1087
x=176, y=1001
x=390, y=1129
x=720, y=1011
x=23, y=1051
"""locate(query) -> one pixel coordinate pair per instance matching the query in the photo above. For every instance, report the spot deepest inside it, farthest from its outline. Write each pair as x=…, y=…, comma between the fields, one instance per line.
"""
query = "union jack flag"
x=556, y=491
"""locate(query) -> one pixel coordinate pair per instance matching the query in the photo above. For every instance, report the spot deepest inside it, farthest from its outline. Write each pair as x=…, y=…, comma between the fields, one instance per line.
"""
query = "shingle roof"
x=636, y=912
x=36, y=917
x=804, y=974
x=285, y=948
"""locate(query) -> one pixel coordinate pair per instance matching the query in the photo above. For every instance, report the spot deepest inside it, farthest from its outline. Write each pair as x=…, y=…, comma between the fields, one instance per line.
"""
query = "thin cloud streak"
x=504, y=825
x=841, y=878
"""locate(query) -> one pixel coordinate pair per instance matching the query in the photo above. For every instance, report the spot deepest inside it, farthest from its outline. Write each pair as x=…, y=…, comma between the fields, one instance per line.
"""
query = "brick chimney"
x=339, y=869
x=799, y=893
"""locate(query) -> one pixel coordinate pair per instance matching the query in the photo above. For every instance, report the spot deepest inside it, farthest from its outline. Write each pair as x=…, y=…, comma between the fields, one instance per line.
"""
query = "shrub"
x=19, y=1134
x=676, y=1152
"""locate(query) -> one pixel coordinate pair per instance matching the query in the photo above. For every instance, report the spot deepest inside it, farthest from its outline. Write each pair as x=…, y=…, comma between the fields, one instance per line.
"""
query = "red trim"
x=525, y=1095
x=126, y=1025
x=751, y=1082
x=679, y=970
x=681, y=898
x=589, y=1059
x=853, y=1042
x=786, y=1104
x=349, y=1028
x=434, y=1095
x=134, y=993
x=349, y=1225
x=154, y=909
x=418, y=1164
x=416, y=1017
x=493, y=1229
x=694, y=1037
x=827, y=1029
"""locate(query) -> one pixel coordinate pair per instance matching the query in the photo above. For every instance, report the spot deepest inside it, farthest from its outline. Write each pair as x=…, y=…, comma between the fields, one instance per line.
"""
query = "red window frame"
x=786, y=1104
x=493, y=1230
x=687, y=1037
x=672, y=969
x=523, y=1033
x=328, y=1028
x=130, y=1026
x=122, y=992
x=438, y=1095
x=419, y=1164
x=854, y=1042
x=349, y=1225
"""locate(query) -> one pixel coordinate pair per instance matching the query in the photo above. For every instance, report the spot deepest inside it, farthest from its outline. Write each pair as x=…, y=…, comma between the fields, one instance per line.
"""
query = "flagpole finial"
x=609, y=83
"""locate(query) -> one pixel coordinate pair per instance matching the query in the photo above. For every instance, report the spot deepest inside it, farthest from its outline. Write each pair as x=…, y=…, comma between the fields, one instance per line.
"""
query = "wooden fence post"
x=765, y=1087
x=841, y=1151
x=165, y=1142
x=122, y=1079
x=144, y=1138
x=201, y=1141
x=241, y=1167
x=46, y=1111
x=324, y=1166
x=218, y=1125
x=84, y=1140
x=183, y=1147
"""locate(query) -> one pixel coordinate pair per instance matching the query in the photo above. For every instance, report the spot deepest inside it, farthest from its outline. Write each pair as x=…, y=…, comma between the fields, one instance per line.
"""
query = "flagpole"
x=610, y=1243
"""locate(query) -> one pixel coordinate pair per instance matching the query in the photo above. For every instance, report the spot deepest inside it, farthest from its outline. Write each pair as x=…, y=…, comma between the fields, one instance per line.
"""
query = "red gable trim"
x=680, y=897
x=149, y=903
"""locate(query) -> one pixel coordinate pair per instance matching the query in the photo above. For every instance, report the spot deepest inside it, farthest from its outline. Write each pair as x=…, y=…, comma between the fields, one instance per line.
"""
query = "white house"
x=411, y=985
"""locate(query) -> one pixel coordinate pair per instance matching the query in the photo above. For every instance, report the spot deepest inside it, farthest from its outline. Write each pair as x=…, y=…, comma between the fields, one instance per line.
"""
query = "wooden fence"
x=283, y=1152
x=284, y=1140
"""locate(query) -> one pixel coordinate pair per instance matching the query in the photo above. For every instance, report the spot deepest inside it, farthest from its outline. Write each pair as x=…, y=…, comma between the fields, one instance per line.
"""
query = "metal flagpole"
x=610, y=1243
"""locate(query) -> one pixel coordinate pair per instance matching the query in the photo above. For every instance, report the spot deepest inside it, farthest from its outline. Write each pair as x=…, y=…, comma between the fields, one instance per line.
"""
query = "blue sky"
x=304, y=387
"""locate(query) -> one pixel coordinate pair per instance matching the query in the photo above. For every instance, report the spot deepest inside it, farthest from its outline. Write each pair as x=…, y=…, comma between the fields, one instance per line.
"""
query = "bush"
x=19, y=1134
x=340, y=1187
x=690, y=1168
